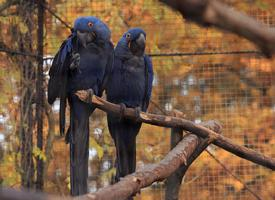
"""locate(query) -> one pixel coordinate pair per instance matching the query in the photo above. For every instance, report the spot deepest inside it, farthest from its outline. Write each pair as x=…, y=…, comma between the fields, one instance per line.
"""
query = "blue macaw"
x=130, y=85
x=83, y=62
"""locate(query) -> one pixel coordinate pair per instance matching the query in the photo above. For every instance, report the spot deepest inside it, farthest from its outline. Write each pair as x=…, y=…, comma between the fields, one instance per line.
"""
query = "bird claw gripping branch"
x=90, y=93
x=137, y=113
x=75, y=61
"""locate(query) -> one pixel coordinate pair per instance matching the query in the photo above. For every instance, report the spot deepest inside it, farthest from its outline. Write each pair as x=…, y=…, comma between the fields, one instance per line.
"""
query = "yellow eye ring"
x=90, y=24
x=128, y=35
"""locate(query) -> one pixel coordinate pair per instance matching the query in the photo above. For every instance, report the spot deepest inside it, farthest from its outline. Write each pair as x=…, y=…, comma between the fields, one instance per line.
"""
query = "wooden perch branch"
x=132, y=183
x=217, y=14
x=167, y=121
x=182, y=155
x=173, y=182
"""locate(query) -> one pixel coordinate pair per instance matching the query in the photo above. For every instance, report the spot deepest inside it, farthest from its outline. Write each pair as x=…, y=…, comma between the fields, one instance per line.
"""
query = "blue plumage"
x=130, y=84
x=90, y=48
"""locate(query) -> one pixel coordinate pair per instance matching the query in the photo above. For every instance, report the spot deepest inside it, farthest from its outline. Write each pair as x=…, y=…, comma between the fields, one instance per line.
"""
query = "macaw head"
x=90, y=29
x=135, y=40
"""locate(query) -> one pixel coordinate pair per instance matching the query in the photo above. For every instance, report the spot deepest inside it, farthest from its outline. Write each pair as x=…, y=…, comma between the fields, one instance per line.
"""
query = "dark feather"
x=149, y=76
x=57, y=86
x=59, y=69
x=108, y=70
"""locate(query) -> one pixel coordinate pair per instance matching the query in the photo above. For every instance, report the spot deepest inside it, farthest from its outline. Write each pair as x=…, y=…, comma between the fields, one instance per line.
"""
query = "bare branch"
x=217, y=14
x=168, y=121
x=132, y=183
x=173, y=182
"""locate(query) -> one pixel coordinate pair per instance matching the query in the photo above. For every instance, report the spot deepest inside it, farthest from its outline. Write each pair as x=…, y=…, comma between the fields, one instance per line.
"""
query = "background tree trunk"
x=25, y=44
x=40, y=96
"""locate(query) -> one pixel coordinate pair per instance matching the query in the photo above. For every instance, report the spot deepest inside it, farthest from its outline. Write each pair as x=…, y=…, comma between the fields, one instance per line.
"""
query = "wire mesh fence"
x=203, y=72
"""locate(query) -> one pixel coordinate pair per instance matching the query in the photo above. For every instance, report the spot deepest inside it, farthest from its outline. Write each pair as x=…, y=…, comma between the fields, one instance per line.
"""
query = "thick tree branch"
x=168, y=121
x=217, y=14
x=132, y=183
x=173, y=182
x=182, y=155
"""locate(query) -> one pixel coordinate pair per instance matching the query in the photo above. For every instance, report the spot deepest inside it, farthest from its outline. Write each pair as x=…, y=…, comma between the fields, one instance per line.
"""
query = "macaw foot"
x=122, y=111
x=90, y=93
x=137, y=113
x=75, y=61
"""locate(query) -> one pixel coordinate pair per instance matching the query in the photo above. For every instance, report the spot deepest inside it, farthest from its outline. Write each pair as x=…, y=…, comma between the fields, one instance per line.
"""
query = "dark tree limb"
x=219, y=15
x=168, y=121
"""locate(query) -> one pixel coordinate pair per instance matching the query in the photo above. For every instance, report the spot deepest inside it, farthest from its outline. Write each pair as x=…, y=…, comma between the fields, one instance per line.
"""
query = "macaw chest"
x=92, y=62
x=134, y=69
x=90, y=72
x=133, y=78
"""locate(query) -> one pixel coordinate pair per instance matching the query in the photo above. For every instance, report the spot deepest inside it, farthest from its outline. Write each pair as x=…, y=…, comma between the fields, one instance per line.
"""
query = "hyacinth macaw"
x=130, y=85
x=83, y=62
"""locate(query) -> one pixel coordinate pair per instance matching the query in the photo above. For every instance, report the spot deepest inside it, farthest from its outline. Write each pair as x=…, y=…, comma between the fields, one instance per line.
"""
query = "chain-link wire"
x=205, y=73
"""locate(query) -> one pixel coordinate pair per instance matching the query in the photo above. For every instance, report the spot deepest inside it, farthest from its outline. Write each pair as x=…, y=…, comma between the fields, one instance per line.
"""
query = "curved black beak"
x=141, y=41
x=138, y=46
x=86, y=37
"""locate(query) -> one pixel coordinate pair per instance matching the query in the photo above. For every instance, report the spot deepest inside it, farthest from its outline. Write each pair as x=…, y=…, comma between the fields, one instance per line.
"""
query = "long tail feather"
x=63, y=103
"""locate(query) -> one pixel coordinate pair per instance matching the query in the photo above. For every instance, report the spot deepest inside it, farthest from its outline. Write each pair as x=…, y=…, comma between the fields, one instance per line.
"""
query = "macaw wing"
x=149, y=76
x=59, y=70
x=57, y=86
x=108, y=70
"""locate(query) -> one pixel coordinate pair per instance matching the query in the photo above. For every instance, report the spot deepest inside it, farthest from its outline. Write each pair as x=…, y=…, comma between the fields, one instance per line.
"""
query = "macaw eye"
x=128, y=35
x=90, y=24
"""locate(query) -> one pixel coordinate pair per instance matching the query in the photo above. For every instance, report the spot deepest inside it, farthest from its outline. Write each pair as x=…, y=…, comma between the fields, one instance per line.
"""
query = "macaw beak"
x=86, y=37
x=137, y=46
x=141, y=41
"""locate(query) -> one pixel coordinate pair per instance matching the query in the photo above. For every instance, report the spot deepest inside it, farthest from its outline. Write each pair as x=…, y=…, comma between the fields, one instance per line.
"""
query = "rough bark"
x=168, y=121
x=132, y=183
x=217, y=14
